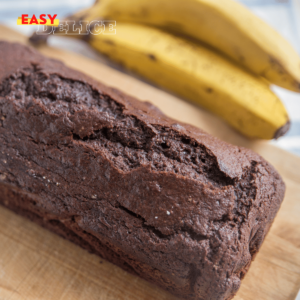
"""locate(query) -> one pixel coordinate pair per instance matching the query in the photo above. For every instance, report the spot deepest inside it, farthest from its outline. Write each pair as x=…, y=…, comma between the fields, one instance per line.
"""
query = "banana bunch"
x=194, y=72
x=224, y=25
x=215, y=53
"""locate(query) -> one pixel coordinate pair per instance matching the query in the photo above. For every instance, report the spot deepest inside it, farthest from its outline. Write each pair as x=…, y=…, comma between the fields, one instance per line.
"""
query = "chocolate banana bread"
x=161, y=199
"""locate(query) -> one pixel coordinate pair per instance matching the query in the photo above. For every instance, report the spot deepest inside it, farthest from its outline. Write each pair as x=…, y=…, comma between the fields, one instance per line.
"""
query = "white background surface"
x=283, y=15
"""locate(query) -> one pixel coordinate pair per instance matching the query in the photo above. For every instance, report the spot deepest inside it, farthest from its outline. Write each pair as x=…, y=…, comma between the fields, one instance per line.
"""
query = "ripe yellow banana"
x=197, y=73
x=223, y=24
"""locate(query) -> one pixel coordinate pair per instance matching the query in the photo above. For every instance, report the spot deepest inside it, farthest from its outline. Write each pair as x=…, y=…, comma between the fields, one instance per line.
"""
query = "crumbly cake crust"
x=161, y=199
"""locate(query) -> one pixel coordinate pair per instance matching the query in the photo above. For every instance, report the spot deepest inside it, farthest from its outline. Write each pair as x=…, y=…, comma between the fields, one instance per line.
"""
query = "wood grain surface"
x=36, y=264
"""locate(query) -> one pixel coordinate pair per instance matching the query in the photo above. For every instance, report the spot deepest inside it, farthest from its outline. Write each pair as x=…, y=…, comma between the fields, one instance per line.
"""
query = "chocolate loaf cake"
x=161, y=199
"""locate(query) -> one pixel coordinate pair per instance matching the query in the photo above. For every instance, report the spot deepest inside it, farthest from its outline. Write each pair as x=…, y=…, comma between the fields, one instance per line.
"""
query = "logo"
x=82, y=27
x=25, y=20
x=51, y=25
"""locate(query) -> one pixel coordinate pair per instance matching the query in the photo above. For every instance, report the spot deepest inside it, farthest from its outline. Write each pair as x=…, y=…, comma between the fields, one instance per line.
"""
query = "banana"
x=225, y=25
x=197, y=73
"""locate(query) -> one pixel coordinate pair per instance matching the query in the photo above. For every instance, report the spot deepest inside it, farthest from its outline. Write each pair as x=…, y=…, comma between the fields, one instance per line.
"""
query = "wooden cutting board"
x=36, y=264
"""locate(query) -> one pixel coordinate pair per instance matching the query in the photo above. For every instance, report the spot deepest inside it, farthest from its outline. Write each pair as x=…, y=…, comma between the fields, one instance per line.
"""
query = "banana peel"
x=225, y=25
x=196, y=73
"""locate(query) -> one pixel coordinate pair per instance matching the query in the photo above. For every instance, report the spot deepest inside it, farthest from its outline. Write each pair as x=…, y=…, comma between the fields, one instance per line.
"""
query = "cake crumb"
x=94, y=196
x=156, y=217
x=168, y=213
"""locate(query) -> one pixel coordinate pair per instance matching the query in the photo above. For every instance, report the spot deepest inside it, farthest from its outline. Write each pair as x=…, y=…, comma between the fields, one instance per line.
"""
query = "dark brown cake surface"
x=161, y=199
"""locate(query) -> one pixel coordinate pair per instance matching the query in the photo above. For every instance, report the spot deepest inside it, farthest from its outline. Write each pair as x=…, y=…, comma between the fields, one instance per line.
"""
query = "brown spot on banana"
x=152, y=57
x=276, y=65
x=109, y=42
x=144, y=11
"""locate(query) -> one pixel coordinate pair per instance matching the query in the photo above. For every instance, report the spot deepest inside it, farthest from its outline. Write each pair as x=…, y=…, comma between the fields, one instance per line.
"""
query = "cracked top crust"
x=172, y=196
